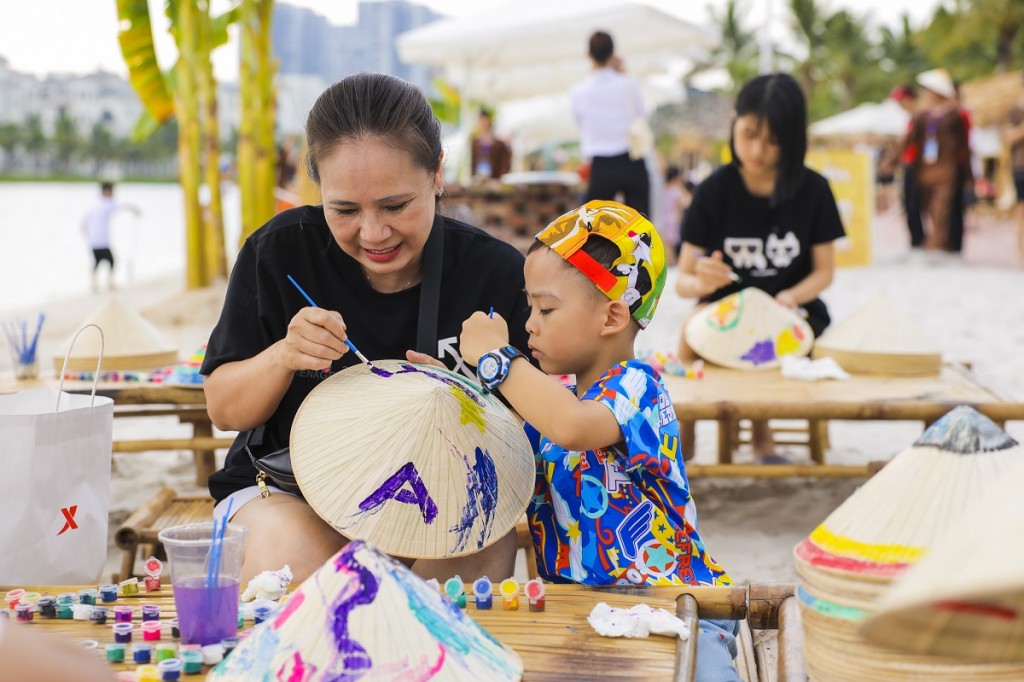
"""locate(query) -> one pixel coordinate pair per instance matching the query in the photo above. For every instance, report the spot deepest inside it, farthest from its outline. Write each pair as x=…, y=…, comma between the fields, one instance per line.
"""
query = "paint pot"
x=455, y=590
x=509, y=589
x=170, y=669
x=150, y=612
x=122, y=633
x=123, y=614
x=241, y=618
x=148, y=673
x=175, y=630
x=30, y=598
x=483, y=592
x=535, y=593
x=130, y=586
x=64, y=604
x=260, y=614
x=23, y=612
x=108, y=593
x=142, y=652
x=115, y=653
x=99, y=615
x=126, y=676
x=229, y=644
x=150, y=630
x=153, y=567
x=165, y=651
x=81, y=611
x=192, y=662
x=433, y=584
x=13, y=597
x=87, y=596
x=213, y=654
x=48, y=607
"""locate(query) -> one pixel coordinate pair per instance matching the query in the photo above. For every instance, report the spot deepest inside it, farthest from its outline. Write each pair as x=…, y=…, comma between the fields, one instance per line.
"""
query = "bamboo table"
x=727, y=396
x=556, y=644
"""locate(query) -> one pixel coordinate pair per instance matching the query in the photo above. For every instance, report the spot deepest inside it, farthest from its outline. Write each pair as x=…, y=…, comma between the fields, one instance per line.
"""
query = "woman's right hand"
x=712, y=273
x=315, y=338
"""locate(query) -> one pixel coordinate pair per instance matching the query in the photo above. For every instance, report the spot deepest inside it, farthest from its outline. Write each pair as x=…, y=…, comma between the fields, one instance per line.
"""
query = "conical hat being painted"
x=129, y=342
x=364, y=616
x=908, y=507
x=966, y=597
x=748, y=330
x=413, y=459
x=879, y=339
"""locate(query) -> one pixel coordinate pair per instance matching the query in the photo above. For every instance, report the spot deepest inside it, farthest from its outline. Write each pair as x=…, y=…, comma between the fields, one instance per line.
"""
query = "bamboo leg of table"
x=725, y=440
x=791, y=643
x=203, y=459
x=686, y=649
x=817, y=435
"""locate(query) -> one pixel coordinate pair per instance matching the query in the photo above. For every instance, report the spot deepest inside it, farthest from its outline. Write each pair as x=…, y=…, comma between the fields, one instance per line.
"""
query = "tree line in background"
x=842, y=60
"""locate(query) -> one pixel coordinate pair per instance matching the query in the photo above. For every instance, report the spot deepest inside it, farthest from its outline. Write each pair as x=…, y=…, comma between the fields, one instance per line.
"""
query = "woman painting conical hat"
x=966, y=597
x=748, y=330
x=416, y=460
x=363, y=615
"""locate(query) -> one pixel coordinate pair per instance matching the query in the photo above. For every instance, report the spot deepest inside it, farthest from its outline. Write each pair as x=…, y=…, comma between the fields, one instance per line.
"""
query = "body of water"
x=44, y=255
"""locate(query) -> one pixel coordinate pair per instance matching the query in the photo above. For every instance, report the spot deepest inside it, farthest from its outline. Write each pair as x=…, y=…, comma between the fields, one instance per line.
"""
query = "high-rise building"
x=305, y=43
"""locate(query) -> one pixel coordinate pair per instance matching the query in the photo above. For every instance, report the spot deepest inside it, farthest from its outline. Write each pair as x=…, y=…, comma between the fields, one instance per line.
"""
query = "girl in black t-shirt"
x=764, y=218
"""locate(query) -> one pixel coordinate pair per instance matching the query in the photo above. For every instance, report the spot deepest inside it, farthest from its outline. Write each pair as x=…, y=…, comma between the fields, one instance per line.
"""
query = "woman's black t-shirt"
x=479, y=271
x=769, y=247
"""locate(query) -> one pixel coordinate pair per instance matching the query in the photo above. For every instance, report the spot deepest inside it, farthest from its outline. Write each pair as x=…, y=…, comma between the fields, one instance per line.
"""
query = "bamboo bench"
x=164, y=510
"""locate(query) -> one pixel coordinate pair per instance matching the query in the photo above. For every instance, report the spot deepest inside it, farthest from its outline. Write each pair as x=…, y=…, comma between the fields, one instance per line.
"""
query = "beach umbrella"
x=363, y=615
x=880, y=532
x=966, y=597
x=130, y=342
x=748, y=330
x=879, y=338
x=415, y=459
x=886, y=118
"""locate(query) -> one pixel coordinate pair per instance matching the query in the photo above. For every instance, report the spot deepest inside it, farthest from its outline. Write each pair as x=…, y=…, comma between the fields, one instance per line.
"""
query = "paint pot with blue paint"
x=122, y=633
x=260, y=614
x=87, y=596
x=482, y=592
x=229, y=644
x=175, y=630
x=108, y=593
x=115, y=652
x=48, y=607
x=192, y=662
x=170, y=669
x=99, y=615
x=23, y=613
x=64, y=604
x=455, y=590
x=150, y=612
x=142, y=652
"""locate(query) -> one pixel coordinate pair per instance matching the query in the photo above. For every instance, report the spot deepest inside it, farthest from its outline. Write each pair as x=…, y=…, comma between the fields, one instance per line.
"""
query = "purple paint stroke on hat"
x=482, y=497
x=760, y=353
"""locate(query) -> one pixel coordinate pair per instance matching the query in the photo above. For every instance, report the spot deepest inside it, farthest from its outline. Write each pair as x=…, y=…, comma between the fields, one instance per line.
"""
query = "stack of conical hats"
x=363, y=615
x=882, y=530
x=966, y=597
x=129, y=342
x=748, y=330
x=879, y=339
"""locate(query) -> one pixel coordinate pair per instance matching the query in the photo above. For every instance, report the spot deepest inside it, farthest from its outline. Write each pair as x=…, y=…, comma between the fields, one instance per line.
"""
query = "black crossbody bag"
x=277, y=464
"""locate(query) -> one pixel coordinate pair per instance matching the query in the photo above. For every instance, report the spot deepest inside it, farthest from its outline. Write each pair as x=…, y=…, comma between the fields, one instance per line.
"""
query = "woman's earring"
x=440, y=192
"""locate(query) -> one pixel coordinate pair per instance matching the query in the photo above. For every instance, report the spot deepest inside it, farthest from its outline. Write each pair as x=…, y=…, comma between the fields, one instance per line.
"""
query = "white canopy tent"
x=886, y=119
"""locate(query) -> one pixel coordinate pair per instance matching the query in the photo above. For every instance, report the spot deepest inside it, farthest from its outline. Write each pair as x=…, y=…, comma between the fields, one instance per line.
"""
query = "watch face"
x=488, y=367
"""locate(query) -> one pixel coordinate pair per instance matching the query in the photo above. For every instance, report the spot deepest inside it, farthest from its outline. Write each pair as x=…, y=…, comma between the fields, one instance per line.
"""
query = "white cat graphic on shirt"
x=751, y=253
x=782, y=251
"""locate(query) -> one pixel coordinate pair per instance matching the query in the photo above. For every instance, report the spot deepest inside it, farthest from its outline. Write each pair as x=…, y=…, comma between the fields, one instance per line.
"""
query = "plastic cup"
x=206, y=613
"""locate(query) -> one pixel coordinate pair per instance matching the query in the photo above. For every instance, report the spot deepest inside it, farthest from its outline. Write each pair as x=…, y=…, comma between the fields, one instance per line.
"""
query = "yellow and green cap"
x=638, y=274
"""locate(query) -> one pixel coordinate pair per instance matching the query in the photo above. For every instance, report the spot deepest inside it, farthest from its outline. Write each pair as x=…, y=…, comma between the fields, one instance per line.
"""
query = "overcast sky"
x=80, y=36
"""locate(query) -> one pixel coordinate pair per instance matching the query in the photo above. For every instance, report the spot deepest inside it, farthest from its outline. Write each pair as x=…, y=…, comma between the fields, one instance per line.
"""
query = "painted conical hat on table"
x=414, y=459
x=748, y=330
x=129, y=342
x=363, y=615
x=879, y=339
x=966, y=597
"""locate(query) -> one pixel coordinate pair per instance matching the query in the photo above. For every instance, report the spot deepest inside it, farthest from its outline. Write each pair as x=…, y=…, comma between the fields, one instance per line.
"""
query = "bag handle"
x=67, y=357
x=430, y=291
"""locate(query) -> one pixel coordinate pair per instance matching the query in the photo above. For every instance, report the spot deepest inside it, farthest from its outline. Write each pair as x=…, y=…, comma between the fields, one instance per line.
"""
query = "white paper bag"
x=55, y=466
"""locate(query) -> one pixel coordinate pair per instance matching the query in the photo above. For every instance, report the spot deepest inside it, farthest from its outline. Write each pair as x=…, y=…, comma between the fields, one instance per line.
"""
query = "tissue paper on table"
x=269, y=585
x=637, y=621
x=812, y=370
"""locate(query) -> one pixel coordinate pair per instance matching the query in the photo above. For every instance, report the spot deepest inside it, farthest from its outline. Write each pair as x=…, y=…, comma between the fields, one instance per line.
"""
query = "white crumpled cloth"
x=268, y=585
x=812, y=370
x=637, y=621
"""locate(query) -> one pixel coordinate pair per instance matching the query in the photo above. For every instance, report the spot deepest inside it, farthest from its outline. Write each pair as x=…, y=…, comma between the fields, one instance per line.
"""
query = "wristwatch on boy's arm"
x=494, y=365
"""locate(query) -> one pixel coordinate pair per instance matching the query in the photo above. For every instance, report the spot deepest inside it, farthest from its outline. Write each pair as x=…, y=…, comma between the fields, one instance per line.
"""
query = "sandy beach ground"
x=972, y=305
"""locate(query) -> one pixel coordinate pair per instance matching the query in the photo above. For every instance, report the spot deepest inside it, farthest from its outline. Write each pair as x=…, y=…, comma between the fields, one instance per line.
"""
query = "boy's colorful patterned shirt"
x=624, y=514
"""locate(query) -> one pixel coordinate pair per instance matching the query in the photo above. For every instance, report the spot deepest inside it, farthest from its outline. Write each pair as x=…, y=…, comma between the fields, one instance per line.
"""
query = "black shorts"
x=103, y=255
x=1018, y=183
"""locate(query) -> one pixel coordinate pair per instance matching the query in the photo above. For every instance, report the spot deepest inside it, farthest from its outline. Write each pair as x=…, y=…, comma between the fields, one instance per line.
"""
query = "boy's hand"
x=481, y=334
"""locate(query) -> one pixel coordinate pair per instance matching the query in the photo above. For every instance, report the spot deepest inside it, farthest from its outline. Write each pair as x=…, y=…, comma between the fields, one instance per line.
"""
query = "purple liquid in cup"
x=206, y=616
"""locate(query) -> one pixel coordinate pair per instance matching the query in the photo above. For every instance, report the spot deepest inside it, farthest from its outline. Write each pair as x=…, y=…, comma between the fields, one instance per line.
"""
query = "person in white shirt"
x=96, y=227
x=605, y=107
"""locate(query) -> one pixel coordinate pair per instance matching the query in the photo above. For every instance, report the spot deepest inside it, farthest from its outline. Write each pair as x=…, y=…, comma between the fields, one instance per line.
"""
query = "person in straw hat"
x=364, y=257
x=612, y=503
x=765, y=221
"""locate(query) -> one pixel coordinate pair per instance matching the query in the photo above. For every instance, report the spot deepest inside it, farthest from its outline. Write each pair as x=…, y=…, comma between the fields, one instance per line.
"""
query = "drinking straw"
x=216, y=547
x=348, y=343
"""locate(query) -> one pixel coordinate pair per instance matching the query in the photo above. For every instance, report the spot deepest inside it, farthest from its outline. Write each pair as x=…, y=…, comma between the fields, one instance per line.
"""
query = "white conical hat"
x=129, y=342
x=363, y=615
x=879, y=339
x=748, y=330
x=414, y=459
x=966, y=597
x=907, y=508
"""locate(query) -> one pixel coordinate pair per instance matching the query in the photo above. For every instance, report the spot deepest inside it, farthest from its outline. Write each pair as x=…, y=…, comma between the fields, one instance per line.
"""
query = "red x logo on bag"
x=69, y=519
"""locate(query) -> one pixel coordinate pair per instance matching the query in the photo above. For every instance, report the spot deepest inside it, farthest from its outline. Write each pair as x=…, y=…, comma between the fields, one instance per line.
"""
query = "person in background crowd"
x=906, y=97
x=490, y=157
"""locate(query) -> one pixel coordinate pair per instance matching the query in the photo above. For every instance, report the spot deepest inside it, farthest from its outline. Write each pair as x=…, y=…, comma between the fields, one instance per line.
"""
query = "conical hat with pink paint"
x=365, y=616
x=748, y=330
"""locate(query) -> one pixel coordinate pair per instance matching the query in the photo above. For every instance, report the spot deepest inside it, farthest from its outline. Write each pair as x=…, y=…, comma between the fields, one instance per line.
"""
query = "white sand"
x=972, y=307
